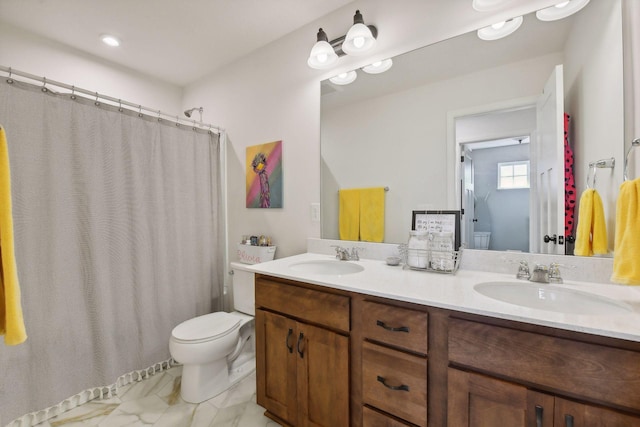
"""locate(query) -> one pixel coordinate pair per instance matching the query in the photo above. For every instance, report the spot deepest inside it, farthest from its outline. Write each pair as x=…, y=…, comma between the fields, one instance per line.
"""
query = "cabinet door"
x=573, y=414
x=323, y=377
x=276, y=364
x=478, y=401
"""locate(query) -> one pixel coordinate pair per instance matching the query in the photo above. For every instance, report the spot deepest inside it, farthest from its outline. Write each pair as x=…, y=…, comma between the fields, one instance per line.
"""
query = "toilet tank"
x=244, y=297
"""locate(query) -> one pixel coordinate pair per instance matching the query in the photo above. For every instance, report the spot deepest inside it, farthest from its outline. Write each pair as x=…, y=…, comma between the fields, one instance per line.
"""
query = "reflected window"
x=512, y=175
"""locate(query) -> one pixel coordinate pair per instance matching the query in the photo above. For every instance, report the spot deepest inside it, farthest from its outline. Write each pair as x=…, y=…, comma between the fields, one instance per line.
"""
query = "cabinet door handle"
x=289, y=347
x=300, y=352
x=401, y=387
x=568, y=420
x=539, y=412
x=389, y=328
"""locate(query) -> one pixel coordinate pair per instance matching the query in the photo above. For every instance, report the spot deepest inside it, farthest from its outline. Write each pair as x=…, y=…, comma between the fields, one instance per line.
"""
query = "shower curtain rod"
x=114, y=101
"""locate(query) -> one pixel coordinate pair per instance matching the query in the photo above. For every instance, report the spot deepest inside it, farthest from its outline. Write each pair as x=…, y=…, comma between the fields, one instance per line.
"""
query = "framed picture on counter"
x=438, y=222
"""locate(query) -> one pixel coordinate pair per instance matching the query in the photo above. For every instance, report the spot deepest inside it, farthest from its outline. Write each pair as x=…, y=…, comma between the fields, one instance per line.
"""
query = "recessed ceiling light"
x=500, y=29
x=561, y=10
x=110, y=40
x=344, y=78
x=378, y=66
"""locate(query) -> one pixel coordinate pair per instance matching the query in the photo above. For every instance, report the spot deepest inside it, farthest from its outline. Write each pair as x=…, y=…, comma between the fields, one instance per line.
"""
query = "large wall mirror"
x=408, y=129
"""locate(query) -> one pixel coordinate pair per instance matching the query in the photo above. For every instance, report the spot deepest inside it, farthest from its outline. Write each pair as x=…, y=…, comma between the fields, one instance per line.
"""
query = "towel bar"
x=635, y=143
x=599, y=164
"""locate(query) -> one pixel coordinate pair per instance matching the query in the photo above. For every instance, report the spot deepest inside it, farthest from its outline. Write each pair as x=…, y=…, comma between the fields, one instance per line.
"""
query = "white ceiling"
x=173, y=40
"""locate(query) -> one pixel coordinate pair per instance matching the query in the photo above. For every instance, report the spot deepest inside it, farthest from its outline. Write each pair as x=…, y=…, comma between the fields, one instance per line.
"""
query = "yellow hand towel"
x=349, y=219
x=11, y=319
x=626, y=264
x=372, y=214
x=591, y=232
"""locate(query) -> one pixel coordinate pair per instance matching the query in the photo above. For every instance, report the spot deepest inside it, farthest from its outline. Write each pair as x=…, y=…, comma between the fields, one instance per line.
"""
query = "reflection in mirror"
x=407, y=129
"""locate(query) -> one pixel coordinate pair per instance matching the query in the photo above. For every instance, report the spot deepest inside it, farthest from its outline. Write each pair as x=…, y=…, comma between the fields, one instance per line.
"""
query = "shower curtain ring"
x=9, y=79
x=159, y=118
x=139, y=110
x=120, y=105
x=44, y=85
x=97, y=103
x=73, y=92
x=177, y=121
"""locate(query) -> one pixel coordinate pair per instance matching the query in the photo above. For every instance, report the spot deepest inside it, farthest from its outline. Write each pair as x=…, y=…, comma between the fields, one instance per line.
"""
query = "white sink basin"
x=551, y=298
x=327, y=267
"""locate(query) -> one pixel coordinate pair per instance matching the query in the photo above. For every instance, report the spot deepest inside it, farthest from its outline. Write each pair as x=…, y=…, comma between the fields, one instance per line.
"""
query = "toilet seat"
x=205, y=328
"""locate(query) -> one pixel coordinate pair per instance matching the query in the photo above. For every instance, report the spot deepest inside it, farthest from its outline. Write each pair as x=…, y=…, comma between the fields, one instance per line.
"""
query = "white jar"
x=418, y=245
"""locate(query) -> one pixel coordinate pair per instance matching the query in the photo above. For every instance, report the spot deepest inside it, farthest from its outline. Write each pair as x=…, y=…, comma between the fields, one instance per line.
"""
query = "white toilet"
x=217, y=349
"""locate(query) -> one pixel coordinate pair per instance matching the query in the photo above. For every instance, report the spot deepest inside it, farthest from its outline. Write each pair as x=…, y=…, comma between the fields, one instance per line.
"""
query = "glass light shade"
x=488, y=5
x=378, y=67
x=322, y=56
x=561, y=10
x=110, y=40
x=344, y=78
x=358, y=41
x=500, y=29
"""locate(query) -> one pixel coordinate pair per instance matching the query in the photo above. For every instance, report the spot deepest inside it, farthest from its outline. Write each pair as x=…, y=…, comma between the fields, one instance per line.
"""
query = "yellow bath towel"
x=349, y=219
x=11, y=319
x=372, y=214
x=591, y=232
x=626, y=258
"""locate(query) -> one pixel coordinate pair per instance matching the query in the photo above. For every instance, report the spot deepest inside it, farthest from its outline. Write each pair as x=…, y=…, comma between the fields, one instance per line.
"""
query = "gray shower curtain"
x=118, y=237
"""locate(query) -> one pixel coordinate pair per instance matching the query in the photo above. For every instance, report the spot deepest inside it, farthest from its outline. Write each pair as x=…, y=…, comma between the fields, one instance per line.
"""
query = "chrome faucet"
x=541, y=273
x=343, y=254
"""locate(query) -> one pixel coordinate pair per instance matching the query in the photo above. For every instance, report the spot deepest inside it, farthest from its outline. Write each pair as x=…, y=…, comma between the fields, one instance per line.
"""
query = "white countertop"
x=456, y=292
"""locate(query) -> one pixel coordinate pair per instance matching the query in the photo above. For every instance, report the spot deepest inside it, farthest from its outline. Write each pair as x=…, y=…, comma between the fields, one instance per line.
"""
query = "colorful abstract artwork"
x=264, y=175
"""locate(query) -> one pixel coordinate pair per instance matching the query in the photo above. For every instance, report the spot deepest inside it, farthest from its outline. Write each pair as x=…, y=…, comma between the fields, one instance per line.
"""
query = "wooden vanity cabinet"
x=302, y=354
x=540, y=375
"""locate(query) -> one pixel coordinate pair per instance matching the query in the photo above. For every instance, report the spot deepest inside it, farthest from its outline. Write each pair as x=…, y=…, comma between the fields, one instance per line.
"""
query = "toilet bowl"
x=217, y=349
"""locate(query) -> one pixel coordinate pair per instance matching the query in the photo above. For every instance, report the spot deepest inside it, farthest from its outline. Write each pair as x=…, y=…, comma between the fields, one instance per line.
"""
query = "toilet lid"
x=206, y=327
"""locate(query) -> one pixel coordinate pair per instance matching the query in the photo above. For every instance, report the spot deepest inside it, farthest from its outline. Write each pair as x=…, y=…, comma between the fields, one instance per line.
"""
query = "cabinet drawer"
x=396, y=326
x=586, y=370
x=371, y=418
x=318, y=307
x=395, y=382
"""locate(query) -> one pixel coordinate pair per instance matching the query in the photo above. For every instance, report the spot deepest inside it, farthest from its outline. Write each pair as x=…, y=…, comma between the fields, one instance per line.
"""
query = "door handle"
x=300, y=352
x=289, y=347
x=539, y=412
x=568, y=420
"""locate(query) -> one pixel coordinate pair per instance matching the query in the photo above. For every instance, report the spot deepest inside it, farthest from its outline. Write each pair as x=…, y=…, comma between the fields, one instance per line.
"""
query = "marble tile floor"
x=156, y=401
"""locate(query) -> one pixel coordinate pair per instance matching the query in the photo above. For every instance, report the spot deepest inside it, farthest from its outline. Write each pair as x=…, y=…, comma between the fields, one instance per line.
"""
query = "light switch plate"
x=315, y=212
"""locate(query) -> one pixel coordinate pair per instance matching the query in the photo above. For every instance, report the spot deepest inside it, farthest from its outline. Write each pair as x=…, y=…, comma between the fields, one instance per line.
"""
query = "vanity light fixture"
x=378, y=66
x=344, y=78
x=110, y=40
x=561, y=10
x=322, y=54
x=359, y=40
x=500, y=29
x=488, y=5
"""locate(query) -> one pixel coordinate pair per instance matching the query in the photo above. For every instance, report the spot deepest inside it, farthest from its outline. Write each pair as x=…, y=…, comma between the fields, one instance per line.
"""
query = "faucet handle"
x=523, y=270
x=341, y=253
x=355, y=254
x=555, y=276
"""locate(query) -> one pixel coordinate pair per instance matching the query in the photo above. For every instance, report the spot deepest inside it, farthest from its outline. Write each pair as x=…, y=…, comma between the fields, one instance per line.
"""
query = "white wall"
x=272, y=95
x=594, y=92
x=45, y=58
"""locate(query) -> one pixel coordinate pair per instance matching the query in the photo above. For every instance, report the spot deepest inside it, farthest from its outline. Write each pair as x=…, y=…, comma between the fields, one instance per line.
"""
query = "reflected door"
x=468, y=202
x=548, y=209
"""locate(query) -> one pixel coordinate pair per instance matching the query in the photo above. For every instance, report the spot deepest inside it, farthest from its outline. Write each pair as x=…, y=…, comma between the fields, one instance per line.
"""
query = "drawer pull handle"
x=539, y=411
x=300, y=352
x=393, y=387
x=568, y=420
x=389, y=328
x=289, y=347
